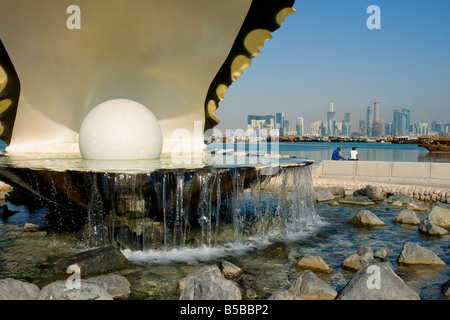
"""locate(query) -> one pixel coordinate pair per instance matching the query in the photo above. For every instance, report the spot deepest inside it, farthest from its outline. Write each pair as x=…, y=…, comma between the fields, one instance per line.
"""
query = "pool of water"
x=154, y=275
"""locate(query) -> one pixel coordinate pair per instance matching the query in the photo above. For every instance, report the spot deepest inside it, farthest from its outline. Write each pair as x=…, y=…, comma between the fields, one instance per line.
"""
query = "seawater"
x=154, y=274
x=368, y=151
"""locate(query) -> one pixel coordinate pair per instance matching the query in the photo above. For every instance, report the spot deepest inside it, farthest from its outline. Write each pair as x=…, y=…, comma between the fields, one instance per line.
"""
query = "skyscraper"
x=406, y=121
x=376, y=110
x=377, y=126
x=347, y=117
x=299, y=126
x=362, y=127
x=396, y=123
x=279, y=123
x=331, y=120
x=369, y=121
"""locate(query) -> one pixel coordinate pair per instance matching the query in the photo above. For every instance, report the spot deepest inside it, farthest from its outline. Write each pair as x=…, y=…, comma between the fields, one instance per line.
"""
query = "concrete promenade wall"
x=422, y=180
x=416, y=173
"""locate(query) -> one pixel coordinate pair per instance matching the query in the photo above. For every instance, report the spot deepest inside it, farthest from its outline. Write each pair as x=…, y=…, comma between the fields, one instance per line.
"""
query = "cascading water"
x=203, y=208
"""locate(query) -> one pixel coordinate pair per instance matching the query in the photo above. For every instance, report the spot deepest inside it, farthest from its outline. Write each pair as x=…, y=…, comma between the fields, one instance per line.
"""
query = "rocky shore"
x=373, y=276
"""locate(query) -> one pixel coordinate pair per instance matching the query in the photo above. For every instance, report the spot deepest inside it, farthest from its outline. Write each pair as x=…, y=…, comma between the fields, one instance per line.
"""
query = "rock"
x=430, y=229
x=92, y=262
x=365, y=218
x=208, y=284
x=440, y=216
x=416, y=206
x=363, y=255
x=323, y=195
x=407, y=216
x=404, y=199
x=117, y=286
x=88, y=291
x=334, y=203
x=284, y=294
x=5, y=213
x=202, y=273
x=445, y=290
x=30, y=227
x=12, y=289
x=381, y=254
x=373, y=193
x=362, y=201
x=314, y=263
x=230, y=270
x=277, y=249
x=311, y=287
x=397, y=204
x=377, y=281
x=337, y=191
x=413, y=254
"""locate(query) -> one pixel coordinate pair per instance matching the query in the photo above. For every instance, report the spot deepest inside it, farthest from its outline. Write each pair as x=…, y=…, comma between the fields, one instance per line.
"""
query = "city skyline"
x=324, y=52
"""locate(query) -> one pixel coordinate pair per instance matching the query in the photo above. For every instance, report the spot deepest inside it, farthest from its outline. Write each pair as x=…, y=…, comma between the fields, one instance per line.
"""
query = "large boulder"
x=365, y=218
x=413, y=254
x=12, y=289
x=430, y=229
x=404, y=199
x=445, y=290
x=208, y=283
x=87, y=291
x=416, y=206
x=407, y=216
x=117, y=286
x=314, y=263
x=93, y=262
x=440, y=216
x=377, y=281
x=322, y=195
x=230, y=270
x=206, y=272
x=374, y=193
x=311, y=287
x=362, y=256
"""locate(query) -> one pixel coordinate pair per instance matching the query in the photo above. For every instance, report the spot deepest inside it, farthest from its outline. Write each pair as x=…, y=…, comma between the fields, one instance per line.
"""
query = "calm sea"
x=368, y=151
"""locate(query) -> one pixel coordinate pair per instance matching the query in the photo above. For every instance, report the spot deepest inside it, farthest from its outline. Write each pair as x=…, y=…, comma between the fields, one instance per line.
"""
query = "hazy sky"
x=325, y=52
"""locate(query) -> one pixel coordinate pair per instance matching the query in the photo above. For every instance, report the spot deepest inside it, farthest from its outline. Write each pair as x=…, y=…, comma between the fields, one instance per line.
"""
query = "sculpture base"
x=159, y=203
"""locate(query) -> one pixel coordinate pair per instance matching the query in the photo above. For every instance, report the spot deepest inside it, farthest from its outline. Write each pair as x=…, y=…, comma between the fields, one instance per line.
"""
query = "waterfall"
x=206, y=208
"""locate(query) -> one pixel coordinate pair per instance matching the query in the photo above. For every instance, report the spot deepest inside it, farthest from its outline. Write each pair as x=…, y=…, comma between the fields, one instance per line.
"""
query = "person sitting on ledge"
x=336, y=155
x=354, y=155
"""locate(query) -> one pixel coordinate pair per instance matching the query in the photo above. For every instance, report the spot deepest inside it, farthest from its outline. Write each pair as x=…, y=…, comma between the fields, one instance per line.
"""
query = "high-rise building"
x=389, y=128
x=331, y=120
x=255, y=124
x=346, y=129
x=369, y=121
x=406, y=121
x=376, y=110
x=421, y=128
x=286, y=127
x=362, y=127
x=377, y=126
x=299, y=126
x=436, y=127
x=347, y=117
x=396, y=123
x=279, y=123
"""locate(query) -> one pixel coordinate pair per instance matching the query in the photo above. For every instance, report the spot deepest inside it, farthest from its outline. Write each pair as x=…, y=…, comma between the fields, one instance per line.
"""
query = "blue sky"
x=325, y=52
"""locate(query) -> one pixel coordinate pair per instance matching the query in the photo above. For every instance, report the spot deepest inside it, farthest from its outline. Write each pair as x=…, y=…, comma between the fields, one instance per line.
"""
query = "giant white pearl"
x=120, y=129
